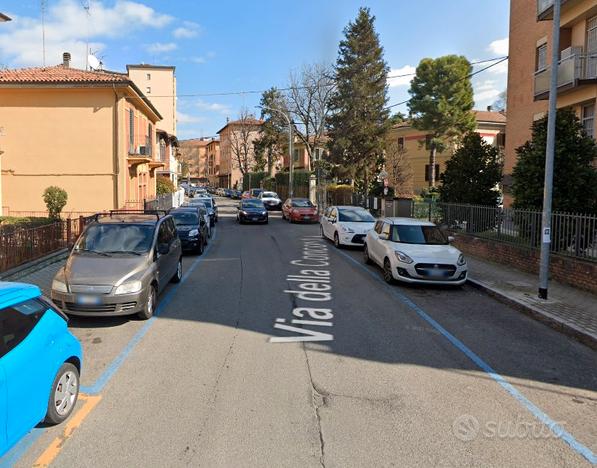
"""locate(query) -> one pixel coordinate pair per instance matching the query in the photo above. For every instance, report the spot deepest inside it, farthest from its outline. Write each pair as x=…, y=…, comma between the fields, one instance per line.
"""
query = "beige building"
x=193, y=152
x=529, y=69
x=92, y=133
x=213, y=162
x=158, y=83
x=414, y=145
x=233, y=135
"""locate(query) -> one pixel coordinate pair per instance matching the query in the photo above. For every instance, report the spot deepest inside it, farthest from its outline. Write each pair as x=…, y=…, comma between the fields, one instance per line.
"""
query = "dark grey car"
x=119, y=266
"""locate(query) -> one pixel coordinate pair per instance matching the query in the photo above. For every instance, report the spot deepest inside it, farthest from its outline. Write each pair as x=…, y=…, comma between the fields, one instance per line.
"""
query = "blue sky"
x=232, y=46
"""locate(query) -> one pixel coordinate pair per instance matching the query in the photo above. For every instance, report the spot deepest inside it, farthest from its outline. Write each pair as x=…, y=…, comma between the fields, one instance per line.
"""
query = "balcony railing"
x=571, y=71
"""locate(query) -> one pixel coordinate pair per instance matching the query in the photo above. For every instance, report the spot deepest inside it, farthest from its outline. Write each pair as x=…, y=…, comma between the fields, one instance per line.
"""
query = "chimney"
x=66, y=59
x=489, y=109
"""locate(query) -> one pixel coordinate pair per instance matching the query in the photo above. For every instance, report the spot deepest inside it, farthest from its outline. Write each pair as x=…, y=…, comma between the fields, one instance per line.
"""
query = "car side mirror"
x=163, y=249
x=451, y=239
x=383, y=236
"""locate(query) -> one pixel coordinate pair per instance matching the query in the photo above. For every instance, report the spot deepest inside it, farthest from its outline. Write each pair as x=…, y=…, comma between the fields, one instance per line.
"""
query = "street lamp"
x=290, y=159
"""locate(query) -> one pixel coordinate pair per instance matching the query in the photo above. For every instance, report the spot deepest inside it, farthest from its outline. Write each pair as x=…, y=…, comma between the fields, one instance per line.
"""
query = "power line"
x=503, y=59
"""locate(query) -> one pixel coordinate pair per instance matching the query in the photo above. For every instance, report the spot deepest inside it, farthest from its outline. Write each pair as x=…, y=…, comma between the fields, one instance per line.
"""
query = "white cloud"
x=160, y=47
x=184, y=118
x=486, y=92
x=397, y=76
x=214, y=107
x=499, y=46
x=187, y=31
x=66, y=29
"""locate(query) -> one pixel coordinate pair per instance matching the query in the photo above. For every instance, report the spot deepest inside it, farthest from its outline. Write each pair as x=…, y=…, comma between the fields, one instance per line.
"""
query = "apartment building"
x=213, y=162
x=92, y=133
x=414, y=144
x=234, y=135
x=193, y=153
x=530, y=68
x=158, y=83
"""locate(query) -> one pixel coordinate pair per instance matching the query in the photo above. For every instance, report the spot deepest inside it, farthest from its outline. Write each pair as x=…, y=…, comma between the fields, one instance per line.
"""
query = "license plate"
x=88, y=300
x=306, y=217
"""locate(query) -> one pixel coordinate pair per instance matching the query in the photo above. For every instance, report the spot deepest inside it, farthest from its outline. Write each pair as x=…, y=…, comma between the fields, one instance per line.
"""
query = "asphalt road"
x=401, y=376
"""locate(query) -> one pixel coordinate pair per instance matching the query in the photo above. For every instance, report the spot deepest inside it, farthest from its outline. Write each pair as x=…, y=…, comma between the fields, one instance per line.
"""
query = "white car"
x=271, y=200
x=414, y=251
x=346, y=225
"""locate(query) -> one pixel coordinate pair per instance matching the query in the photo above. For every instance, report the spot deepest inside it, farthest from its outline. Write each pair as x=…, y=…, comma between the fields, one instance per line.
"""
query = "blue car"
x=40, y=363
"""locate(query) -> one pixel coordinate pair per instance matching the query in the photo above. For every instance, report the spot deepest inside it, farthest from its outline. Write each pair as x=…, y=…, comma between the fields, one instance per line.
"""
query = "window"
x=400, y=143
x=500, y=139
x=148, y=90
x=317, y=154
x=386, y=229
x=588, y=119
x=378, y=226
x=131, y=131
x=148, y=76
x=427, y=172
x=295, y=157
x=541, y=57
x=16, y=323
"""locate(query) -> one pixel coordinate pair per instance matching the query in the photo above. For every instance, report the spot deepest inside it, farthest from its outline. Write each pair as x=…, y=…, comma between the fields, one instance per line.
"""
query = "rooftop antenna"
x=43, y=31
x=87, y=7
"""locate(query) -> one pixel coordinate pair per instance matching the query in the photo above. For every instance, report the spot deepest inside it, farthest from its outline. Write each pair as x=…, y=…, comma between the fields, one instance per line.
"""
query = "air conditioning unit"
x=571, y=51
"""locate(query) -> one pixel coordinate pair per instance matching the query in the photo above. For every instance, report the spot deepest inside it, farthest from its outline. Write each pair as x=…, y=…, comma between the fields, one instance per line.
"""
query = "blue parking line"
x=553, y=426
x=21, y=448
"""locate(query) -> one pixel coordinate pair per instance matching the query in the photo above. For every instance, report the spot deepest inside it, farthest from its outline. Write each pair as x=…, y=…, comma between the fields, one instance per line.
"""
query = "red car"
x=299, y=210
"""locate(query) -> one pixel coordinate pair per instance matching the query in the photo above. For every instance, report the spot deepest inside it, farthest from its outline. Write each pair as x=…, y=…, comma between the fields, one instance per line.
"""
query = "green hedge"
x=299, y=178
x=256, y=178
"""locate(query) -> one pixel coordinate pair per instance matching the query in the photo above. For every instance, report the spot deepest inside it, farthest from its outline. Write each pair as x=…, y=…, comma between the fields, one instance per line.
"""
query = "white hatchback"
x=346, y=225
x=414, y=251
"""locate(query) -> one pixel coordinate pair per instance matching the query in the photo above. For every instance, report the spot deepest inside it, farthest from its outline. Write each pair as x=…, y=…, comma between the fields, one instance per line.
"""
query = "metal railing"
x=570, y=70
x=572, y=234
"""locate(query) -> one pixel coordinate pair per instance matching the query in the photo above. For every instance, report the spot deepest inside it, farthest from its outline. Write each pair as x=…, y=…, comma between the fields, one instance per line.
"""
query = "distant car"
x=245, y=194
x=414, y=251
x=251, y=210
x=236, y=194
x=255, y=192
x=346, y=225
x=40, y=363
x=192, y=228
x=271, y=200
x=119, y=265
x=299, y=210
x=212, y=209
x=200, y=204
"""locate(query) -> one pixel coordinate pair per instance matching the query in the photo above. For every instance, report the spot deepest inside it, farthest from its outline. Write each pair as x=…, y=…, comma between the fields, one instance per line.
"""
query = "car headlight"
x=264, y=213
x=59, y=286
x=461, y=260
x=193, y=232
x=346, y=229
x=244, y=213
x=402, y=257
x=129, y=288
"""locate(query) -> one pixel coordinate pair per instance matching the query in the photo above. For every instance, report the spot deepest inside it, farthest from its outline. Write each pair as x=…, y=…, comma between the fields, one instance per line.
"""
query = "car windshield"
x=116, y=238
x=207, y=202
x=252, y=204
x=417, y=234
x=302, y=203
x=185, y=218
x=256, y=192
x=269, y=195
x=195, y=202
x=356, y=216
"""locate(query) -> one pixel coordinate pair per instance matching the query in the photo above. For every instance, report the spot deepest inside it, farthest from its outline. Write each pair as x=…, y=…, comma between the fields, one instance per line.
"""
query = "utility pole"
x=549, y=155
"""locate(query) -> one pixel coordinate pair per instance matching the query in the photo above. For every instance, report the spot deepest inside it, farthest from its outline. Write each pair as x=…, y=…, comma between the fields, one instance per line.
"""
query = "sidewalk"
x=569, y=310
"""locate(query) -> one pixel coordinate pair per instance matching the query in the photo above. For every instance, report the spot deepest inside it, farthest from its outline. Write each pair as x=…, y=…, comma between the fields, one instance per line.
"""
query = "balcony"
x=573, y=71
x=545, y=9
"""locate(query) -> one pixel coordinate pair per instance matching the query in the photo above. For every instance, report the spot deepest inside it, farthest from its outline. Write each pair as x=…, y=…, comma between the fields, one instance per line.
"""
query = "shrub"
x=55, y=199
x=164, y=186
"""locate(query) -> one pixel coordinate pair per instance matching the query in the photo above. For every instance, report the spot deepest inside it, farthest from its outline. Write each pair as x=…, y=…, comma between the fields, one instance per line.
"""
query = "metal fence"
x=19, y=246
x=572, y=234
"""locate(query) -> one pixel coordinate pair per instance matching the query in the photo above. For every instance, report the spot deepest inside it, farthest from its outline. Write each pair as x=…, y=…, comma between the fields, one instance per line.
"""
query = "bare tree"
x=242, y=133
x=308, y=104
x=399, y=170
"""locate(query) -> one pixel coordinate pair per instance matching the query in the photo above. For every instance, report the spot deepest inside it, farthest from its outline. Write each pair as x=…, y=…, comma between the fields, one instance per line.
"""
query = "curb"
x=569, y=329
x=34, y=265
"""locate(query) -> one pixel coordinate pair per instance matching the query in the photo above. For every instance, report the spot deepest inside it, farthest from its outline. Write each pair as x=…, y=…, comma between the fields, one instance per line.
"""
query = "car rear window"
x=16, y=322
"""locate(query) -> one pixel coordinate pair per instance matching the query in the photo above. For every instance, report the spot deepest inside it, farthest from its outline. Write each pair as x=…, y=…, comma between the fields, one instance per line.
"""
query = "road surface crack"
x=318, y=399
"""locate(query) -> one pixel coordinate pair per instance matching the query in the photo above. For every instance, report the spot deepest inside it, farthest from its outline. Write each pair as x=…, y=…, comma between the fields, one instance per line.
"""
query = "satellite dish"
x=93, y=62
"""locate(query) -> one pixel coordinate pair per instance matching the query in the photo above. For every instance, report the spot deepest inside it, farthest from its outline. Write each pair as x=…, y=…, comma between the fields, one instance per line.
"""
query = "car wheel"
x=366, y=257
x=337, y=243
x=150, y=304
x=178, y=275
x=64, y=394
x=387, y=272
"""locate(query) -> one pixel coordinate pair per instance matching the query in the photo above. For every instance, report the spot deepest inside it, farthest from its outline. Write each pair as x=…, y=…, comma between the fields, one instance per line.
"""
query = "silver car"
x=119, y=266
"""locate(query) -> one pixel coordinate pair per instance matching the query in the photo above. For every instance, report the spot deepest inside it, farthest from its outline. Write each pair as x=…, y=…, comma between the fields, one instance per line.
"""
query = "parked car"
x=414, y=251
x=236, y=194
x=255, y=192
x=299, y=210
x=212, y=209
x=119, y=265
x=40, y=363
x=271, y=200
x=346, y=225
x=202, y=207
x=192, y=228
x=252, y=210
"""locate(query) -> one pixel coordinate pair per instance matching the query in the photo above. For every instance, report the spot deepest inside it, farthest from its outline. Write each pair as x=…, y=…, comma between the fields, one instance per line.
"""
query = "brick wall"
x=578, y=273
